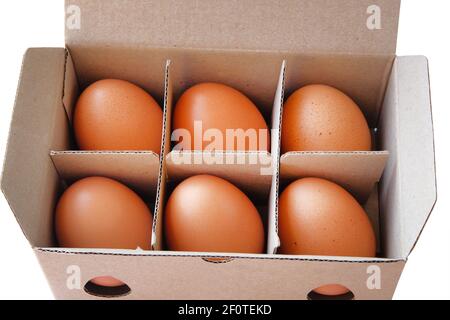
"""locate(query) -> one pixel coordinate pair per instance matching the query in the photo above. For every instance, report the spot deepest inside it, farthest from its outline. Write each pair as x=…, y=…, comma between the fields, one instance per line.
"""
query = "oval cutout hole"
x=115, y=289
x=331, y=292
x=218, y=260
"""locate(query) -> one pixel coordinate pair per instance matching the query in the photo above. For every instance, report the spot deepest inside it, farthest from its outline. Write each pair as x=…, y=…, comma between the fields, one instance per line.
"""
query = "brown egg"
x=332, y=290
x=322, y=118
x=116, y=115
x=106, y=281
x=220, y=107
x=318, y=217
x=99, y=212
x=209, y=214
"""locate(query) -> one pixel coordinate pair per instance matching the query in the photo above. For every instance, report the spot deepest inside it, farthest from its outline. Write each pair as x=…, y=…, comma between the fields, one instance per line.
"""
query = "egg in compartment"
x=323, y=118
x=117, y=115
x=218, y=108
x=98, y=212
x=209, y=214
x=319, y=218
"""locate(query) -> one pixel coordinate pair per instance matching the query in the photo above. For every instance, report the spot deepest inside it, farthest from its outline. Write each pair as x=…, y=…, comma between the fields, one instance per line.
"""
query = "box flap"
x=316, y=26
x=39, y=124
x=409, y=182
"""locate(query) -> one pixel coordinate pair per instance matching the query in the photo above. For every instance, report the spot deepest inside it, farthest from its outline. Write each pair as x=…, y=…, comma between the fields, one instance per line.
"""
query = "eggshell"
x=99, y=212
x=332, y=290
x=322, y=118
x=320, y=218
x=220, y=107
x=107, y=282
x=208, y=214
x=117, y=115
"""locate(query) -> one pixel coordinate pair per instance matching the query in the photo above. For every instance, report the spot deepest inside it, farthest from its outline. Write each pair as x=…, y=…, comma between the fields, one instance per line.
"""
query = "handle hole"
x=331, y=292
x=217, y=260
x=107, y=287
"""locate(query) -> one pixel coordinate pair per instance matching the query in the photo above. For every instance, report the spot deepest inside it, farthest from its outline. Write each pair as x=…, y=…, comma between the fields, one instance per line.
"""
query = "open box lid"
x=365, y=27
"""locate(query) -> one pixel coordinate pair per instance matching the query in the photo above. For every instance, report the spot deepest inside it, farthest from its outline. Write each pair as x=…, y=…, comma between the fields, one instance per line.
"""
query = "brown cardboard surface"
x=166, y=275
x=358, y=171
x=315, y=26
x=138, y=170
x=372, y=209
x=30, y=182
x=71, y=87
x=408, y=187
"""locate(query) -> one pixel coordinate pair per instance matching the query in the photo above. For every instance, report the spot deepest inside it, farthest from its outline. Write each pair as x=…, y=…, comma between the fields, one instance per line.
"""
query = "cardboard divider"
x=249, y=171
x=273, y=241
x=357, y=172
x=138, y=170
x=157, y=238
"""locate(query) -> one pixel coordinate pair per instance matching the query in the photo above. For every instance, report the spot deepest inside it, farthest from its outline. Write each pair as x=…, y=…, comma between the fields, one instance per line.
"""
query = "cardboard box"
x=267, y=49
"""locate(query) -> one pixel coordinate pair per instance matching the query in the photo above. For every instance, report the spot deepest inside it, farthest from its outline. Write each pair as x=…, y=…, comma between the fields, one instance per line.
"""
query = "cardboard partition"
x=157, y=237
x=137, y=170
x=273, y=241
x=357, y=172
x=251, y=172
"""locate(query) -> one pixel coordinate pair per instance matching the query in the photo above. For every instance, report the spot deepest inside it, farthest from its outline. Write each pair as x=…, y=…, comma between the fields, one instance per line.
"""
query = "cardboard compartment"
x=137, y=168
x=250, y=171
x=254, y=173
x=356, y=171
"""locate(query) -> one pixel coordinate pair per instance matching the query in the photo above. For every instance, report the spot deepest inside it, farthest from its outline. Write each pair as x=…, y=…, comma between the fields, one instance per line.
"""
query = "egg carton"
x=166, y=46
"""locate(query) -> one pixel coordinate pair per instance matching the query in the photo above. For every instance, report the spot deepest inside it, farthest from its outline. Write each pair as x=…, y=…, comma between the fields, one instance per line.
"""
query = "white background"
x=424, y=30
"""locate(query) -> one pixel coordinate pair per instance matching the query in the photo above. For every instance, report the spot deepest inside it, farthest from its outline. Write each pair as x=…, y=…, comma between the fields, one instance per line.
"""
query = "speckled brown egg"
x=219, y=108
x=209, y=214
x=322, y=118
x=98, y=212
x=116, y=115
x=319, y=218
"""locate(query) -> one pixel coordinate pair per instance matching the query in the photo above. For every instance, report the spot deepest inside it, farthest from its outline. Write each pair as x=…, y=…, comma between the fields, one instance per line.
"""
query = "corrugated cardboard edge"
x=165, y=146
x=273, y=240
